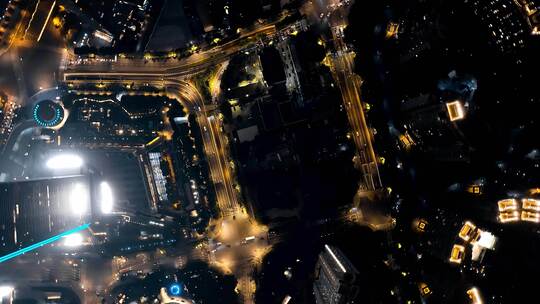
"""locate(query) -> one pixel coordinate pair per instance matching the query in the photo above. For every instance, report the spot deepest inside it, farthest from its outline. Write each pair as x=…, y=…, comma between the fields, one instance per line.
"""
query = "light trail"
x=46, y=21
x=14, y=34
x=342, y=67
x=152, y=141
x=31, y=18
x=42, y=243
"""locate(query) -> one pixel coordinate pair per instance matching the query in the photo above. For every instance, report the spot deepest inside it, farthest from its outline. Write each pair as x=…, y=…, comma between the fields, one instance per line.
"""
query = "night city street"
x=269, y=151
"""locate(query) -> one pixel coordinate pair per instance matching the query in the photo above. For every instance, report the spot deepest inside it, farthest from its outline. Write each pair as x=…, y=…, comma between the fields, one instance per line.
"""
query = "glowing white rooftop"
x=64, y=161
x=333, y=255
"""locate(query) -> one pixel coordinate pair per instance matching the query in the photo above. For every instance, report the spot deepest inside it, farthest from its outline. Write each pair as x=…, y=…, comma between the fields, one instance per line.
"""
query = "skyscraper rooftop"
x=335, y=277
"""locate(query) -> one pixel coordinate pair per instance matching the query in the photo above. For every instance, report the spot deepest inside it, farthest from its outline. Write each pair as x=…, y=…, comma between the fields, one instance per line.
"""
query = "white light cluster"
x=5, y=291
x=64, y=161
x=106, y=197
x=79, y=199
x=73, y=240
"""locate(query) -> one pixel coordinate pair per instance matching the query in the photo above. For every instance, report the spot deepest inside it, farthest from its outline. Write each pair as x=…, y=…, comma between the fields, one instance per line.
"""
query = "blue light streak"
x=42, y=243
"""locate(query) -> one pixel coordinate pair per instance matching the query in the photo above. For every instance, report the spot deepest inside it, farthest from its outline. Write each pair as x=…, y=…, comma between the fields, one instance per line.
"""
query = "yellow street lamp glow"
x=57, y=22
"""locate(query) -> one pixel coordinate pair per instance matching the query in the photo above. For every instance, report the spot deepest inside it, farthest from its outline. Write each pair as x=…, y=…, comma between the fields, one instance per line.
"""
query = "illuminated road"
x=238, y=248
x=341, y=63
x=136, y=67
x=247, y=241
x=29, y=65
x=342, y=67
x=216, y=149
x=214, y=141
x=173, y=78
x=16, y=28
x=216, y=153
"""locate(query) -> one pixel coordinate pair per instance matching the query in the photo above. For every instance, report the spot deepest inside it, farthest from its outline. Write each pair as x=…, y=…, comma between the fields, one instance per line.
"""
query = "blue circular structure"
x=48, y=113
x=175, y=289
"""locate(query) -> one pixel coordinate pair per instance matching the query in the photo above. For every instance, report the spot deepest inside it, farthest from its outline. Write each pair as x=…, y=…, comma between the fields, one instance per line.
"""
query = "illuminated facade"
x=159, y=179
x=335, y=278
x=504, y=24
x=530, y=9
x=31, y=211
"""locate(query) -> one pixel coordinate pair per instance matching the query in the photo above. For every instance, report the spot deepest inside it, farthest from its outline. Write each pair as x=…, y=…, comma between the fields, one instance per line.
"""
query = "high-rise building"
x=530, y=9
x=34, y=210
x=335, y=278
x=504, y=23
x=191, y=10
x=64, y=270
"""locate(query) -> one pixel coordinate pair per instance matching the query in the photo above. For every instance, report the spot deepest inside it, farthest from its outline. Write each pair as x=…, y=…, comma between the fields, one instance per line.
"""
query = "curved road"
x=173, y=78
